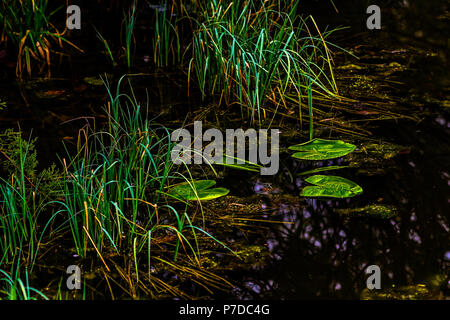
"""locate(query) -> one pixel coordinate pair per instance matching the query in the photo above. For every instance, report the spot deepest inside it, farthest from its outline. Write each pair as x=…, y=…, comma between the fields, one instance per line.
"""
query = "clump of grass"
x=17, y=219
x=129, y=22
x=115, y=187
x=260, y=55
x=27, y=24
x=23, y=197
x=166, y=41
x=114, y=196
x=12, y=287
x=108, y=50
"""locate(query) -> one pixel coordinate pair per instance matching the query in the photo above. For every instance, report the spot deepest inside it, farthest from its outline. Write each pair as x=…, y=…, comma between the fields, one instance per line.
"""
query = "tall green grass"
x=256, y=53
x=166, y=41
x=129, y=22
x=12, y=287
x=114, y=197
x=115, y=187
x=19, y=208
x=105, y=43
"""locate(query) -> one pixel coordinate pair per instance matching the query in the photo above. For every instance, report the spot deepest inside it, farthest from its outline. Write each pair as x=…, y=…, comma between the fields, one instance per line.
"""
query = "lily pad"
x=321, y=149
x=330, y=186
x=329, y=168
x=203, y=190
x=246, y=166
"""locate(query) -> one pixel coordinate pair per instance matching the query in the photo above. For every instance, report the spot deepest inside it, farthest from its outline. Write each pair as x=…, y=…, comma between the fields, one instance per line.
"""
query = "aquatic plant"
x=232, y=162
x=326, y=186
x=330, y=186
x=116, y=187
x=321, y=149
x=198, y=190
x=17, y=218
x=129, y=22
x=28, y=24
x=166, y=41
x=3, y=104
x=23, y=197
x=12, y=287
x=372, y=210
x=114, y=195
x=260, y=55
x=107, y=47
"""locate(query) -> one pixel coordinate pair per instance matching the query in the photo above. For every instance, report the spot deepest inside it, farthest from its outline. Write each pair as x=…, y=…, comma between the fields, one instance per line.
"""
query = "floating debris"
x=413, y=292
x=93, y=81
x=252, y=254
x=373, y=158
x=350, y=67
x=373, y=210
x=50, y=94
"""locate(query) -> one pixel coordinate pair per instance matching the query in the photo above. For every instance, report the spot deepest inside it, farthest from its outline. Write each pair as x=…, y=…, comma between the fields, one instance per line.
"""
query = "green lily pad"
x=329, y=168
x=246, y=166
x=321, y=149
x=203, y=189
x=330, y=186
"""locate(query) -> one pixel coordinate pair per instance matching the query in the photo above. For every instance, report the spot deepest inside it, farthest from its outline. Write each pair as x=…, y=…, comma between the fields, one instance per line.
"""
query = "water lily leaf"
x=321, y=169
x=247, y=165
x=203, y=189
x=321, y=149
x=330, y=186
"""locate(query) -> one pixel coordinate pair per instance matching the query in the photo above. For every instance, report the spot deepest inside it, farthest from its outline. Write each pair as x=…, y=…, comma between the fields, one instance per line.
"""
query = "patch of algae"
x=244, y=258
x=413, y=292
x=374, y=158
x=373, y=210
x=252, y=254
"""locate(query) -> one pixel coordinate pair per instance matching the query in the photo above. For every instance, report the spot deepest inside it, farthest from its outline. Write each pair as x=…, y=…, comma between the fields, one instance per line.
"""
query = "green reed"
x=18, y=211
x=129, y=22
x=166, y=41
x=256, y=53
x=115, y=186
x=12, y=287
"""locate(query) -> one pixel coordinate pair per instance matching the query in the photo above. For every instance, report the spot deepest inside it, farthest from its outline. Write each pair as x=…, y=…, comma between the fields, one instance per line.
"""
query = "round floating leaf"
x=246, y=166
x=202, y=188
x=321, y=169
x=321, y=149
x=330, y=186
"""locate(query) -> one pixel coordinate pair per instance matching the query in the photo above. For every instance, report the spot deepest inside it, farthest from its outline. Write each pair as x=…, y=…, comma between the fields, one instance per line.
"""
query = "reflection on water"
x=323, y=254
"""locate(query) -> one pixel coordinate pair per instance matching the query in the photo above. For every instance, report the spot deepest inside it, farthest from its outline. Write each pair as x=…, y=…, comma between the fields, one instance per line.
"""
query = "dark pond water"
x=404, y=163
